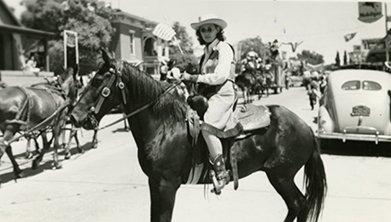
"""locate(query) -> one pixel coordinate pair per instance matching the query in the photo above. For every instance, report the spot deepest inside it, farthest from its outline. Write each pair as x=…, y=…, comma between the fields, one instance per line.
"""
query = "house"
x=134, y=42
x=12, y=50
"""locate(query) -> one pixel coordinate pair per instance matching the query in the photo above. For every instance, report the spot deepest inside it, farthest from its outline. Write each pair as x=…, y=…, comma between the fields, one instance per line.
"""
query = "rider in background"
x=217, y=68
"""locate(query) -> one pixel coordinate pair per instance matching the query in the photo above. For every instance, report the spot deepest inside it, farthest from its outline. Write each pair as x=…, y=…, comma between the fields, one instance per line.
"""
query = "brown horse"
x=22, y=108
x=165, y=152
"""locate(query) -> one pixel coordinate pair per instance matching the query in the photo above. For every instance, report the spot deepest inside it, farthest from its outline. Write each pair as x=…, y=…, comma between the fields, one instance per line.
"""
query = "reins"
x=38, y=126
x=143, y=107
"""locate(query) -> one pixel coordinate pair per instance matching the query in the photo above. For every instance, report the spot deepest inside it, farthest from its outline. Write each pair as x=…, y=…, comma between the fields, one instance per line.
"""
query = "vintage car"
x=356, y=106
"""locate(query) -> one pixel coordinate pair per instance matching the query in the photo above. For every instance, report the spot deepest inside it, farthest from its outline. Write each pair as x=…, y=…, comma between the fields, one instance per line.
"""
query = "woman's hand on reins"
x=187, y=77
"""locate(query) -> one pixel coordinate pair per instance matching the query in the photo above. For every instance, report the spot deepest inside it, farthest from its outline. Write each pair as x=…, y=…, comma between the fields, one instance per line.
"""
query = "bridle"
x=116, y=76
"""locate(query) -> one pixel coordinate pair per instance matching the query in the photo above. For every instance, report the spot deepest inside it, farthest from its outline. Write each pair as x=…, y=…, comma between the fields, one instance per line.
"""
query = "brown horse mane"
x=144, y=88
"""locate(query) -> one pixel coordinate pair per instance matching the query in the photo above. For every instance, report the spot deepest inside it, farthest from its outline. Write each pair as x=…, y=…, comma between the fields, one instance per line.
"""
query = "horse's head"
x=69, y=83
x=99, y=96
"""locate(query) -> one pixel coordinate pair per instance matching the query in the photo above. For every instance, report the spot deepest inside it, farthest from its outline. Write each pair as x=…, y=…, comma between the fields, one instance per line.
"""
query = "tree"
x=253, y=44
x=310, y=57
x=89, y=18
x=345, y=58
x=337, y=60
x=186, y=43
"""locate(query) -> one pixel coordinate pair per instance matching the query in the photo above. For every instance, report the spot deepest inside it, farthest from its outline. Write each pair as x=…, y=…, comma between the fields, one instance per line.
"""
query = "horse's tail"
x=315, y=183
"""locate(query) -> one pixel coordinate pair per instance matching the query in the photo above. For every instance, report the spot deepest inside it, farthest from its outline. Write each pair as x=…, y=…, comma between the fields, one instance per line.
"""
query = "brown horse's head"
x=99, y=97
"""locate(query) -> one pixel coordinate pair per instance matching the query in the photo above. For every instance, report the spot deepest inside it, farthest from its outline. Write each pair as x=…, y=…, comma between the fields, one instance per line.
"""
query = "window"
x=370, y=85
x=131, y=42
x=351, y=85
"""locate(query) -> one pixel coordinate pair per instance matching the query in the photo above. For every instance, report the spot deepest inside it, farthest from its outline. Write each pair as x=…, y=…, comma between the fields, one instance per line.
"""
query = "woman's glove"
x=187, y=77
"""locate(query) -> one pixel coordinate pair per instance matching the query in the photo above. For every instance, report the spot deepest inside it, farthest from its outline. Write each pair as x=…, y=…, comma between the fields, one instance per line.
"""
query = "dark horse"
x=22, y=108
x=165, y=152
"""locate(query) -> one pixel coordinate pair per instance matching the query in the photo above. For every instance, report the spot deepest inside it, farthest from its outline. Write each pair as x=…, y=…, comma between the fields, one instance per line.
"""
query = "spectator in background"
x=31, y=65
x=313, y=93
x=322, y=84
x=163, y=72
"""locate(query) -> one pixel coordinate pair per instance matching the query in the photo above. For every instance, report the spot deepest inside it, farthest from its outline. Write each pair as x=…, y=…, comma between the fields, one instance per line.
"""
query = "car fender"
x=325, y=123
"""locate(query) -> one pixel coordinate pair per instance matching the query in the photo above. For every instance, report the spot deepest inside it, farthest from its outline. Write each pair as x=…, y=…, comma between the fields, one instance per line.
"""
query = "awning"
x=25, y=31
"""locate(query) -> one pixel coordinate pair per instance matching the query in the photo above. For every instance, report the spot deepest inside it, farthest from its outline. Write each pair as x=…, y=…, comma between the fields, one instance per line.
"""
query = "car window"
x=370, y=85
x=351, y=85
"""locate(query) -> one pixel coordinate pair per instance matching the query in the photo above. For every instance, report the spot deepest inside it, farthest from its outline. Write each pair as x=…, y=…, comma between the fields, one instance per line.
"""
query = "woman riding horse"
x=217, y=78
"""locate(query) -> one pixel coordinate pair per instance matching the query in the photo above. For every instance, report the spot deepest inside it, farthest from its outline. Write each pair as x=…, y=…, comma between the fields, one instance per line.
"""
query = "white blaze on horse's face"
x=209, y=32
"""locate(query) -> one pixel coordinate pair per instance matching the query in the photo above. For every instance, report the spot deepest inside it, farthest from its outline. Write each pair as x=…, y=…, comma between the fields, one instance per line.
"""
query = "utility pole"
x=386, y=38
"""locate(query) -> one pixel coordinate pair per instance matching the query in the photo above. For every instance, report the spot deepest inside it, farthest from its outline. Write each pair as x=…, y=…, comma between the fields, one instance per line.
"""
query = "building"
x=134, y=42
x=12, y=51
x=11, y=34
x=374, y=50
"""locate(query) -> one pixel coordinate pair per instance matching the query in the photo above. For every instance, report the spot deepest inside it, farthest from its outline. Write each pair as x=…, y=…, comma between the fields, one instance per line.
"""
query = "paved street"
x=106, y=184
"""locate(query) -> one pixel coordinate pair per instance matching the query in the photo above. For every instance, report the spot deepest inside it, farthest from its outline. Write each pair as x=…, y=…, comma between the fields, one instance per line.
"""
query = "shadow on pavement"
x=355, y=148
x=25, y=164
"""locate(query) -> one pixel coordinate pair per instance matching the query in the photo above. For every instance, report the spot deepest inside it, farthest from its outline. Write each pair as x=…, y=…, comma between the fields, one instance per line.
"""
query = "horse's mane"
x=144, y=89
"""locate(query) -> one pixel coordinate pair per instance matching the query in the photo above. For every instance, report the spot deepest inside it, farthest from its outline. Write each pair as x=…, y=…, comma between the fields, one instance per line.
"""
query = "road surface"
x=107, y=184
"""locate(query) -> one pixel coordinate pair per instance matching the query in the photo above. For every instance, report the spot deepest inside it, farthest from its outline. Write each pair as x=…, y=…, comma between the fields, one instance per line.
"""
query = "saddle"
x=245, y=121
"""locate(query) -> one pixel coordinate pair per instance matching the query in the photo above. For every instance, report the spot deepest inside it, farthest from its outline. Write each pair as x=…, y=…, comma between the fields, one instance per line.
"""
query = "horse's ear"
x=105, y=56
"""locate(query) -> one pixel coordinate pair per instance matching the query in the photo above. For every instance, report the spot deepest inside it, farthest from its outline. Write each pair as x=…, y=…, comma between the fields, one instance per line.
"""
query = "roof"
x=9, y=13
x=26, y=31
x=134, y=17
x=17, y=27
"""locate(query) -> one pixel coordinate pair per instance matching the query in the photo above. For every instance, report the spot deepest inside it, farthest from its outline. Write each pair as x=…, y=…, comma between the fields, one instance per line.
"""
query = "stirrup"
x=218, y=184
x=219, y=175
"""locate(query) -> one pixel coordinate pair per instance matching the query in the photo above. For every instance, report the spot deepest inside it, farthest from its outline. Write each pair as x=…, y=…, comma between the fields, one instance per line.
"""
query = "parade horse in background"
x=250, y=82
x=165, y=152
x=22, y=108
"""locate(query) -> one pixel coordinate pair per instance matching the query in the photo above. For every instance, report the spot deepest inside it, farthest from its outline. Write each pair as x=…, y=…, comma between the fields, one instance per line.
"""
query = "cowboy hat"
x=209, y=19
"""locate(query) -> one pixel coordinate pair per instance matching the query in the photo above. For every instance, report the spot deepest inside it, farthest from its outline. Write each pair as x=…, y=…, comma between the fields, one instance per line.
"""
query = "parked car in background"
x=356, y=106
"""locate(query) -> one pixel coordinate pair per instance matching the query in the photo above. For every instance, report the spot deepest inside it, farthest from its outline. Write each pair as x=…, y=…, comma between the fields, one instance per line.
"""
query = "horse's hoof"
x=56, y=166
x=80, y=150
x=95, y=145
x=67, y=156
x=19, y=175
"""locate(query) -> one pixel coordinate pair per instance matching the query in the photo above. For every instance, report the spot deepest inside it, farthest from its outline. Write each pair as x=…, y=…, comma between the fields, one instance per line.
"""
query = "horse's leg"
x=28, y=154
x=94, y=139
x=66, y=146
x=162, y=195
x=8, y=135
x=286, y=187
x=56, y=144
x=74, y=135
x=45, y=148
x=36, y=145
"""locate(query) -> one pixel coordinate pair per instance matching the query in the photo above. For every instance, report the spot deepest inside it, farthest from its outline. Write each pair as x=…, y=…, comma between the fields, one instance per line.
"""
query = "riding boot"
x=222, y=175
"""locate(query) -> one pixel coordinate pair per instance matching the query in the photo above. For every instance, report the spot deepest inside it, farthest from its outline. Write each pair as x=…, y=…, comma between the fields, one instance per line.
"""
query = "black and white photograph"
x=195, y=110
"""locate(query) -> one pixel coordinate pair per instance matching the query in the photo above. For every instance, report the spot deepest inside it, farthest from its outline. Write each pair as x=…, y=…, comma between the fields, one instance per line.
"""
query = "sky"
x=321, y=25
